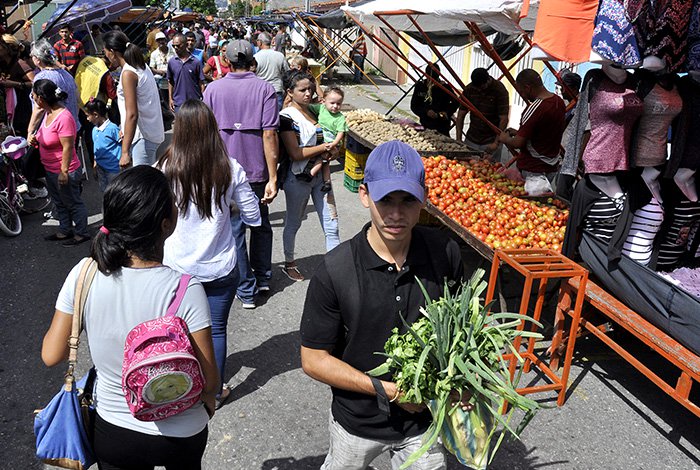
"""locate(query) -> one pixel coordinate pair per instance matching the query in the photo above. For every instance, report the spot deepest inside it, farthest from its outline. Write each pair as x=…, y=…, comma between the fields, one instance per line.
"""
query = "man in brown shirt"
x=491, y=98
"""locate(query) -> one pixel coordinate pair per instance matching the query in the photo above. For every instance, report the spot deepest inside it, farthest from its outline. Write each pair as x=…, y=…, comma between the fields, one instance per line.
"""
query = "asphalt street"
x=277, y=419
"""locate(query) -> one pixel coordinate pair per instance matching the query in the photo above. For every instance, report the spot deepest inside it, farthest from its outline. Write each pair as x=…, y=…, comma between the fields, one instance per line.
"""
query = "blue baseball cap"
x=395, y=166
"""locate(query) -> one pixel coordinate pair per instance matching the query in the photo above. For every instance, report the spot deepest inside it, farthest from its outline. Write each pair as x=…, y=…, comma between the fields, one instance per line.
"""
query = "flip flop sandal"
x=223, y=397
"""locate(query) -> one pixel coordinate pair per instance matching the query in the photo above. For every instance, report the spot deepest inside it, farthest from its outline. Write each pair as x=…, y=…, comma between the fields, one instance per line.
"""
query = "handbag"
x=63, y=427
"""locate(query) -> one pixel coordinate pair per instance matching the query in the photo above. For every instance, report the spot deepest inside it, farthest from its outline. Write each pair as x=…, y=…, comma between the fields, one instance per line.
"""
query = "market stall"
x=425, y=21
x=651, y=214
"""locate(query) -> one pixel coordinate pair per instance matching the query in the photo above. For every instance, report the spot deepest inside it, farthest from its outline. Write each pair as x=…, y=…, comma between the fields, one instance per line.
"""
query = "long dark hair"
x=135, y=204
x=292, y=77
x=49, y=91
x=118, y=42
x=196, y=164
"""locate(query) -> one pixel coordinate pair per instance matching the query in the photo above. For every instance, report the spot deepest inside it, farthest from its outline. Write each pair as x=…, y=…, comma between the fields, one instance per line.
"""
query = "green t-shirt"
x=331, y=123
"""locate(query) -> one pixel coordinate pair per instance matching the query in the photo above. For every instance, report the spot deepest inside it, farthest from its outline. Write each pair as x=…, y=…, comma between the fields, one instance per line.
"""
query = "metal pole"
x=63, y=13
x=402, y=98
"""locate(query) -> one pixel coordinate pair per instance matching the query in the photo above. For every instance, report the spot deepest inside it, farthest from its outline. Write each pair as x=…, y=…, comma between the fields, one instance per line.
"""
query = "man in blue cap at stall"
x=358, y=295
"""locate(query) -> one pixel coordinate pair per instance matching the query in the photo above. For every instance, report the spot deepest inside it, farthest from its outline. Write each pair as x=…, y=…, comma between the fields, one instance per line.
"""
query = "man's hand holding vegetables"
x=361, y=294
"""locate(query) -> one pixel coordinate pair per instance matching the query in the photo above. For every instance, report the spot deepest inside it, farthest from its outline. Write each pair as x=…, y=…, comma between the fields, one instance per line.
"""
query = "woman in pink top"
x=217, y=66
x=56, y=139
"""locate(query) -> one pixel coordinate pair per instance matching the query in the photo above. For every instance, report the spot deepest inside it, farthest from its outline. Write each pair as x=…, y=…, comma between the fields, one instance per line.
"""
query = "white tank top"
x=150, y=120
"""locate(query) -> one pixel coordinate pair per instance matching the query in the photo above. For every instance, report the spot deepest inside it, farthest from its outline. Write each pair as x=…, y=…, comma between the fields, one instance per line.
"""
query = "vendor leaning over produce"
x=357, y=297
x=432, y=104
x=541, y=127
x=490, y=98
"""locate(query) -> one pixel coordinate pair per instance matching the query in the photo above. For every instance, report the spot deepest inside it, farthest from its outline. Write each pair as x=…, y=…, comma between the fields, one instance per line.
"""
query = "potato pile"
x=378, y=132
x=363, y=115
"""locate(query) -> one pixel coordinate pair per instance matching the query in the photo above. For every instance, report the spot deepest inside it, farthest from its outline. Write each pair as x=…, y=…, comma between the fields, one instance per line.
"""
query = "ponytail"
x=135, y=205
x=118, y=42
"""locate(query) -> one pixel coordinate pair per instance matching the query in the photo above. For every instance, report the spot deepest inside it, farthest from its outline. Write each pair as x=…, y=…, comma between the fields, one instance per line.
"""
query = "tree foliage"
x=208, y=7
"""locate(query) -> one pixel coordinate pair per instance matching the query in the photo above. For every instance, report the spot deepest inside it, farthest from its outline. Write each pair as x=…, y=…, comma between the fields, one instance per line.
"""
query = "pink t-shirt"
x=50, y=147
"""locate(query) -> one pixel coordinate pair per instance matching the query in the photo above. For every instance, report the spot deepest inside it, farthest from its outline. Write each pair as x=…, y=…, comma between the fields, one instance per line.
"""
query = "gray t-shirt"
x=115, y=305
x=272, y=66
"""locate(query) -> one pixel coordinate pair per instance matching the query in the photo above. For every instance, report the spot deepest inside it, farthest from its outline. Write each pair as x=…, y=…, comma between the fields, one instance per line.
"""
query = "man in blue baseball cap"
x=358, y=295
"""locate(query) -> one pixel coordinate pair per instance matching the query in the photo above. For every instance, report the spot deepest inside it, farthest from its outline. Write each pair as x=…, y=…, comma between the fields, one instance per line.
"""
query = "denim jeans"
x=143, y=152
x=297, y=194
x=254, y=266
x=350, y=452
x=105, y=177
x=220, y=293
x=69, y=205
x=359, y=61
x=280, y=99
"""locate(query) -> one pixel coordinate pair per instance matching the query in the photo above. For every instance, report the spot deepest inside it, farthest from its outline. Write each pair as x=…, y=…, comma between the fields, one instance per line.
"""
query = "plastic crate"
x=351, y=184
x=356, y=147
x=355, y=164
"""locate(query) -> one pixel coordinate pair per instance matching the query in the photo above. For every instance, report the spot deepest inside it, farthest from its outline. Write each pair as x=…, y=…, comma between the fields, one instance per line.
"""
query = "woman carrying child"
x=302, y=138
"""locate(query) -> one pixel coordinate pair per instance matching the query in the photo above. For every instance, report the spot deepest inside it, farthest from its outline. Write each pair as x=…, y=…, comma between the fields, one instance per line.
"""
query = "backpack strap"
x=179, y=294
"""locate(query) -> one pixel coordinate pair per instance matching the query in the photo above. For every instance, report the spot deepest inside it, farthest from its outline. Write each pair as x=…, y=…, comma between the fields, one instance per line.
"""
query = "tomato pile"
x=483, y=201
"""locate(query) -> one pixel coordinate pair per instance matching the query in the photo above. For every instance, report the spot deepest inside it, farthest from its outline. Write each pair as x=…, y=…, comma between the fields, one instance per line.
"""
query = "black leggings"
x=119, y=448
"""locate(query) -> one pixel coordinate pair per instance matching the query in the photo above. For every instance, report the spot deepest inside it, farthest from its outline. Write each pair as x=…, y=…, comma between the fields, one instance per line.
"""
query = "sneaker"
x=292, y=273
x=264, y=288
x=50, y=215
x=249, y=305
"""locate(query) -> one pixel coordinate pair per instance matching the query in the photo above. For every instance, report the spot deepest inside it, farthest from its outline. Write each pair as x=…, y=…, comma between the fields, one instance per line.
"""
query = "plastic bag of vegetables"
x=457, y=348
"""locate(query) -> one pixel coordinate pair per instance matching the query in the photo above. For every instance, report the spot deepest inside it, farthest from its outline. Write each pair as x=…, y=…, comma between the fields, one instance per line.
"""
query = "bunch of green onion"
x=457, y=349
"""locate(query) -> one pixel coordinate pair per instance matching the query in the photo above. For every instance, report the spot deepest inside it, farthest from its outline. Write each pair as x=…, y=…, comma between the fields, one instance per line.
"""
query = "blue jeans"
x=359, y=61
x=69, y=205
x=280, y=99
x=105, y=177
x=297, y=194
x=255, y=268
x=220, y=293
x=143, y=152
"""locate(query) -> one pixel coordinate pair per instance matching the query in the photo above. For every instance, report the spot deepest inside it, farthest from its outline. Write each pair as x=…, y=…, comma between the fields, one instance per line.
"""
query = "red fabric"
x=69, y=54
x=564, y=28
x=542, y=125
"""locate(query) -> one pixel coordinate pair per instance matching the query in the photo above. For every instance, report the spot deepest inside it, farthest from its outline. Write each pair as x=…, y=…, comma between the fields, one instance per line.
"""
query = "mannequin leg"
x=685, y=180
x=650, y=175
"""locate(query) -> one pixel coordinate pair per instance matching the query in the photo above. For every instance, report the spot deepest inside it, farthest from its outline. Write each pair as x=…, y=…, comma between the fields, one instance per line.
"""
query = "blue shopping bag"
x=61, y=427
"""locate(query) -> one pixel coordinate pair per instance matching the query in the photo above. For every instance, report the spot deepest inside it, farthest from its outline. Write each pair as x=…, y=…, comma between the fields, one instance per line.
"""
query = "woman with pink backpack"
x=142, y=421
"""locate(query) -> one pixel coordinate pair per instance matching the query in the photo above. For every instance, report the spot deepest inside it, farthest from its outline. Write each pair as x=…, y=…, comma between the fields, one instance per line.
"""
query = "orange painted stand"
x=541, y=265
x=685, y=360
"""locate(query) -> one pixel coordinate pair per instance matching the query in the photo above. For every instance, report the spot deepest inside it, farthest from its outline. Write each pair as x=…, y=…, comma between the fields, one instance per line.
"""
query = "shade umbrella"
x=83, y=12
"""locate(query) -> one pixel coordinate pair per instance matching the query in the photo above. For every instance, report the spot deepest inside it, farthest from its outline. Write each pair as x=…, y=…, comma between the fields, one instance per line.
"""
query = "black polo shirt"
x=355, y=320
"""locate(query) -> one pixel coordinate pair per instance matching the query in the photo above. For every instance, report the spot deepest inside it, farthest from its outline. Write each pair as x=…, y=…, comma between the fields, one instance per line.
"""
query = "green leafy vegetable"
x=458, y=346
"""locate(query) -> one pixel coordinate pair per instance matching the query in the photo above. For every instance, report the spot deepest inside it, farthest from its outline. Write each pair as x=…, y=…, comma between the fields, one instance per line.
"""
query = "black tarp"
x=666, y=306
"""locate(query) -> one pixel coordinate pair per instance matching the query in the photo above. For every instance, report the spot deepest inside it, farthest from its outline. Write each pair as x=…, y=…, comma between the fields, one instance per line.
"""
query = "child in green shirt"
x=332, y=121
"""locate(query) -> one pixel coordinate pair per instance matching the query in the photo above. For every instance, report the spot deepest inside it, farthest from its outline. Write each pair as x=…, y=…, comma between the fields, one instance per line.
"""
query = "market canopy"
x=140, y=15
x=449, y=15
x=85, y=12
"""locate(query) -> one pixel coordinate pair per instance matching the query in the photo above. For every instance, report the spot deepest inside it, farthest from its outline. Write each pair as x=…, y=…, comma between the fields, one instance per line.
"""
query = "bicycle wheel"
x=10, y=223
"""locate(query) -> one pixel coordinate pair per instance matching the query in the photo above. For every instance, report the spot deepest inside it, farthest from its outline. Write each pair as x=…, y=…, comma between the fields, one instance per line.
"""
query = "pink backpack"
x=161, y=376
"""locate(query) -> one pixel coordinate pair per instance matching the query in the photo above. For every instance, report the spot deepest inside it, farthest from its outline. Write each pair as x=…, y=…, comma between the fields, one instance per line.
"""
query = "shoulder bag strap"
x=218, y=64
x=179, y=294
x=82, y=287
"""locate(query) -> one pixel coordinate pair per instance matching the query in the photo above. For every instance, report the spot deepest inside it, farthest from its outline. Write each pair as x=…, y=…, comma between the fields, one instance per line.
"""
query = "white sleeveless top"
x=150, y=121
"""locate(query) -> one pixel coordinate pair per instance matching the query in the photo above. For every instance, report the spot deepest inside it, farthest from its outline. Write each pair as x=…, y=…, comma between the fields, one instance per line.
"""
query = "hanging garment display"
x=564, y=28
x=661, y=105
x=685, y=148
x=646, y=223
x=613, y=111
x=694, y=38
x=661, y=29
x=684, y=215
x=613, y=36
